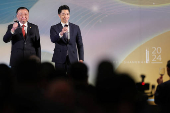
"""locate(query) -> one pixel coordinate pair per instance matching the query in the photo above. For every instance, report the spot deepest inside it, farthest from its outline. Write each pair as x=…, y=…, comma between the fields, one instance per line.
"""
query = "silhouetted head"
x=105, y=69
x=78, y=71
x=6, y=84
x=168, y=67
x=28, y=71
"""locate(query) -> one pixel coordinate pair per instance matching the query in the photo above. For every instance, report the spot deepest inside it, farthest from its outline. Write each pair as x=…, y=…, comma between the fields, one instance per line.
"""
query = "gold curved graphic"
x=147, y=59
x=147, y=2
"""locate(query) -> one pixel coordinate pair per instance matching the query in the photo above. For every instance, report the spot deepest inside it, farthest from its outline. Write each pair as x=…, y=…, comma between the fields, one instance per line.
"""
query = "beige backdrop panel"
x=148, y=58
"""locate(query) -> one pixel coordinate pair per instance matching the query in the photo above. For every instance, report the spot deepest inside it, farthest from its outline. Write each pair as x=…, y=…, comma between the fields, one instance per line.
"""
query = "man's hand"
x=159, y=80
x=64, y=30
x=81, y=61
x=15, y=25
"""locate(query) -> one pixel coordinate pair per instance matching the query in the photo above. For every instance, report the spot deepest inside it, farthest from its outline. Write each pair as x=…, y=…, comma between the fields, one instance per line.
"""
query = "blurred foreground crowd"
x=35, y=87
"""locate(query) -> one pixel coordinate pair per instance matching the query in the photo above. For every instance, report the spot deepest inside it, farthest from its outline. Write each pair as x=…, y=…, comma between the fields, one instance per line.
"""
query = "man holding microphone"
x=68, y=42
x=24, y=37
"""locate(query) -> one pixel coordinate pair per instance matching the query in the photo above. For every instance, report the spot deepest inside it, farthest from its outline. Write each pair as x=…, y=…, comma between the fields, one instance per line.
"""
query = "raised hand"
x=15, y=26
x=64, y=30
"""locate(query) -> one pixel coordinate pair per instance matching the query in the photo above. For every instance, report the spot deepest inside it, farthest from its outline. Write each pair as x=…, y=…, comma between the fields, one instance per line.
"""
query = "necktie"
x=66, y=33
x=66, y=36
x=23, y=31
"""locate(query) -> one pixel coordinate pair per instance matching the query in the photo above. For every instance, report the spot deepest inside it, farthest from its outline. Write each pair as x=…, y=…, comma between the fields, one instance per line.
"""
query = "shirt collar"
x=23, y=24
x=64, y=24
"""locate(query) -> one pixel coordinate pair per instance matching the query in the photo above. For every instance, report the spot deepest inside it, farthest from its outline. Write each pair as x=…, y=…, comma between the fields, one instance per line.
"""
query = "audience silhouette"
x=162, y=98
x=36, y=87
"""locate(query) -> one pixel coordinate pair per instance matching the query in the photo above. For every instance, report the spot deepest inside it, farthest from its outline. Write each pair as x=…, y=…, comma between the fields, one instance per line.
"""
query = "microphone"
x=66, y=33
x=65, y=25
x=16, y=21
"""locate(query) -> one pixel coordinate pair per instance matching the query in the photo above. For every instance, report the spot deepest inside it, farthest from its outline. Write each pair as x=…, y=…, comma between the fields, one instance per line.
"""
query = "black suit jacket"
x=74, y=45
x=23, y=48
x=162, y=96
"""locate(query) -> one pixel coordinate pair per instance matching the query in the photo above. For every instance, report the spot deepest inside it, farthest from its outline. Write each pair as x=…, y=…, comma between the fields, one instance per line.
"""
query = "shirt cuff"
x=60, y=35
x=12, y=32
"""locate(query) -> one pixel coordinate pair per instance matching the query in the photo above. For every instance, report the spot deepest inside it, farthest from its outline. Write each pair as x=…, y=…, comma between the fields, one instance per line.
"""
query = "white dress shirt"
x=25, y=28
x=68, y=30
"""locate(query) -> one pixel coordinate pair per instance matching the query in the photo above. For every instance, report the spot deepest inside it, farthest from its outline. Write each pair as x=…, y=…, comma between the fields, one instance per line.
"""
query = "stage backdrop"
x=133, y=34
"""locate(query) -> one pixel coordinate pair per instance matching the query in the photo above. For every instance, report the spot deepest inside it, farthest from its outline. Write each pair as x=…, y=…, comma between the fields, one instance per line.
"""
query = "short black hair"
x=168, y=64
x=21, y=8
x=63, y=7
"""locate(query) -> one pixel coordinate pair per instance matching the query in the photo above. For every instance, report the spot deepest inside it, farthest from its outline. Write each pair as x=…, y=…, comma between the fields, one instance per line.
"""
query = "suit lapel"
x=71, y=30
x=19, y=25
x=28, y=30
x=60, y=27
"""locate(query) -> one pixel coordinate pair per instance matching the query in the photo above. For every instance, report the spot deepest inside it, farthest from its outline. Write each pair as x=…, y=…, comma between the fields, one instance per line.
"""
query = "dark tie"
x=66, y=33
x=23, y=31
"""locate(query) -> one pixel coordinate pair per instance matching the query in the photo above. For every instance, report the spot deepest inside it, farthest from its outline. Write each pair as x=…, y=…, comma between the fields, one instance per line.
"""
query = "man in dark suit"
x=162, y=94
x=24, y=37
x=68, y=41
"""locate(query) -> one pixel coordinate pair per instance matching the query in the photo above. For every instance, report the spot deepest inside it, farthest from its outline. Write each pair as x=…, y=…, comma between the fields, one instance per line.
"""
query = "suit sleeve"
x=80, y=46
x=54, y=35
x=8, y=36
x=160, y=95
x=38, y=45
